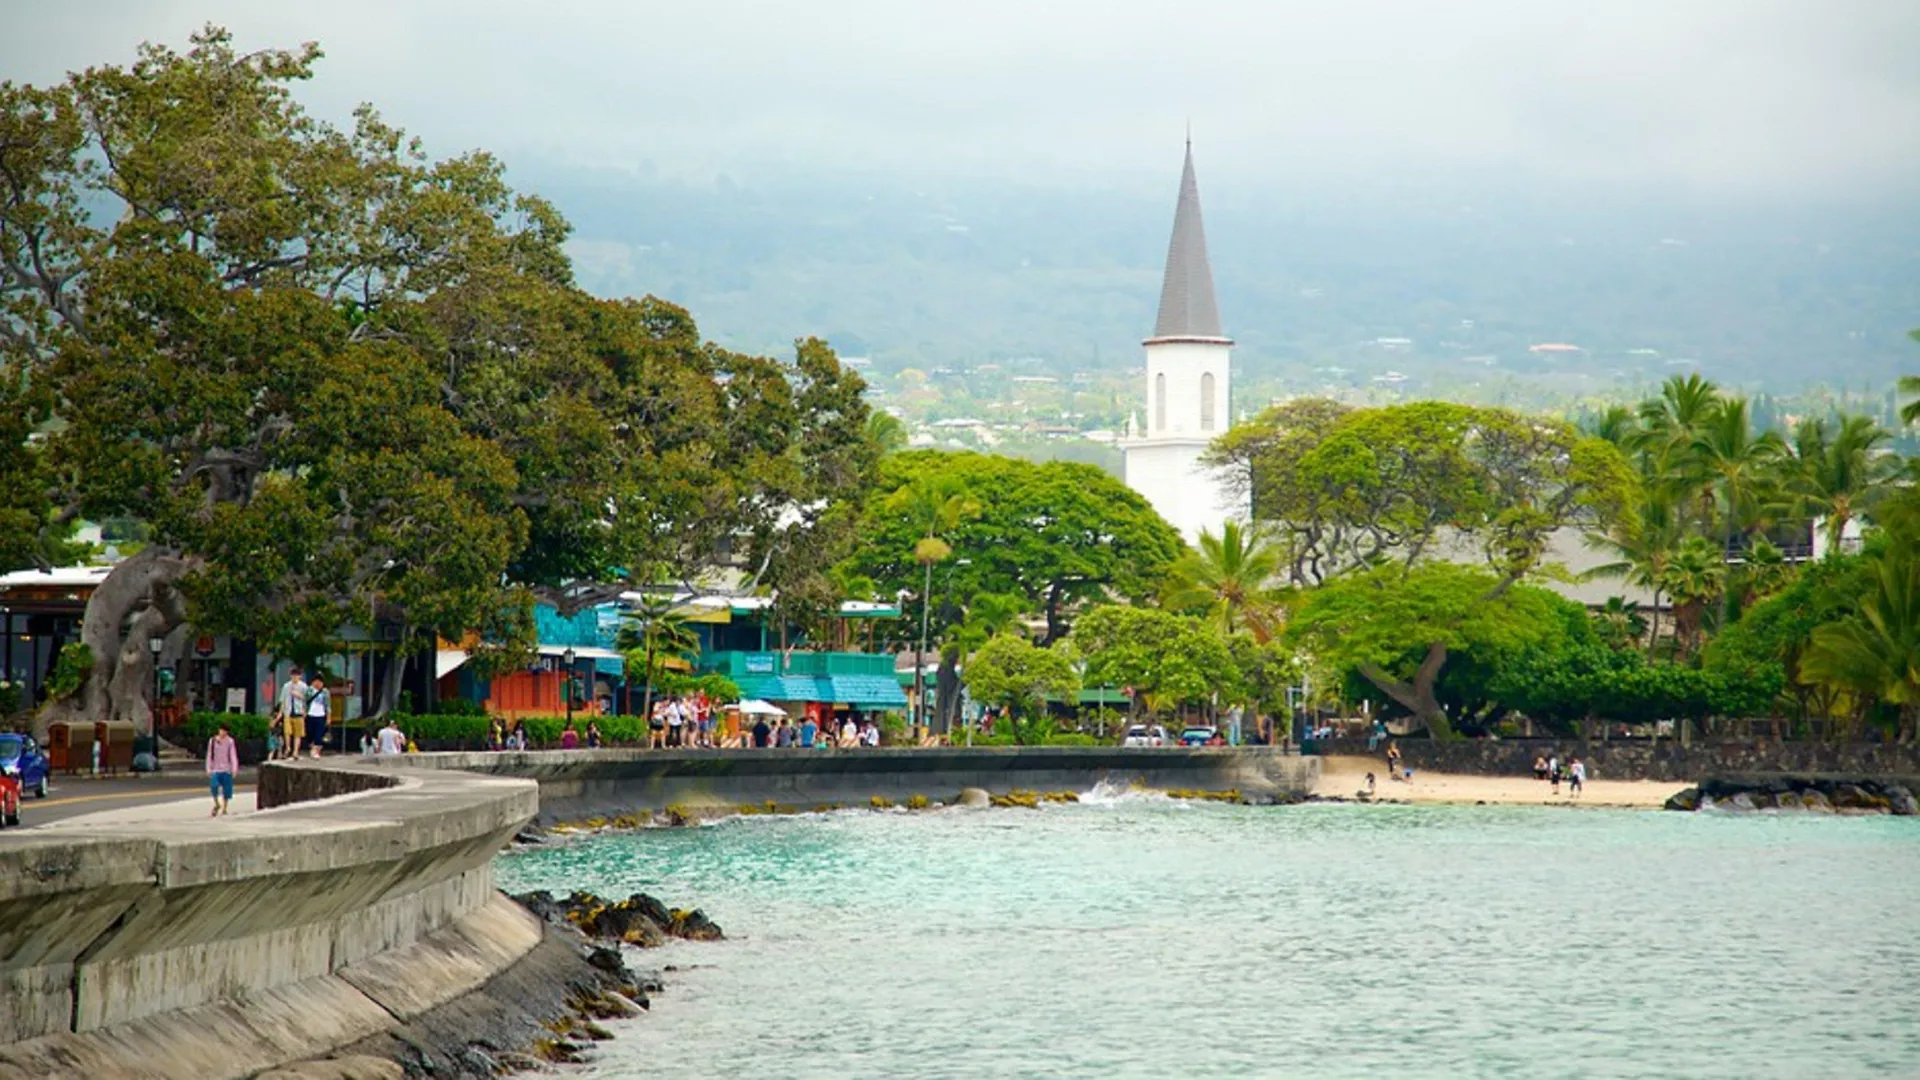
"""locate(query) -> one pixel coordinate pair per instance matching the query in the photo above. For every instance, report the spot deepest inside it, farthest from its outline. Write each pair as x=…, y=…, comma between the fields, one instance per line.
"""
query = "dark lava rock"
x=1901, y=801
x=1739, y=801
x=695, y=926
x=638, y=920
x=543, y=906
x=1849, y=797
x=1688, y=799
x=609, y=961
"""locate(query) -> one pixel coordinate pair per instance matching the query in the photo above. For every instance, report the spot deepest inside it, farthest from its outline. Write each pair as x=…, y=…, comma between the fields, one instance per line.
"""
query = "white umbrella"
x=757, y=707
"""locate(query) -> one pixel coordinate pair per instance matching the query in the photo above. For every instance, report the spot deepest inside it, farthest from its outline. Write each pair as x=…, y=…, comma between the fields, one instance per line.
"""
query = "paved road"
x=71, y=798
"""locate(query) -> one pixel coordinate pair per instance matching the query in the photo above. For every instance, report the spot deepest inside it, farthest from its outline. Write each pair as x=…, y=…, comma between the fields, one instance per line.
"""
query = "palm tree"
x=1618, y=425
x=1620, y=622
x=1838, y=472
x=939, y=503
x=1230, y=577
x=1874, y=654
x=1737, y=465
x=886, y=432
x=1693, y=576
x=1910, y=388
x=654, y=628
x=1641, y=543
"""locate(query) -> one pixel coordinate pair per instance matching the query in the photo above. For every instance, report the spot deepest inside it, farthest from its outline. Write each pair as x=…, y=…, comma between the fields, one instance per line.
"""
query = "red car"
x=9, y=799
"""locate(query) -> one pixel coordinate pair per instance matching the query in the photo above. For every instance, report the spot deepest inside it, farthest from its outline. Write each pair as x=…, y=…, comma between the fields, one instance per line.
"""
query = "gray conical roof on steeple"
x=1187, y=306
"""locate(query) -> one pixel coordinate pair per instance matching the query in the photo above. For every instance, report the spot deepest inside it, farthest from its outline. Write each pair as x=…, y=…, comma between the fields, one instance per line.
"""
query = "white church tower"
x=1187, y=384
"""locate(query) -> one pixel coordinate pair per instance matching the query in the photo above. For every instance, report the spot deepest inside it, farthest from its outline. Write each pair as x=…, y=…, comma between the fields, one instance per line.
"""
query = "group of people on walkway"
x=808, y=734
x=1550, y=768
x=681, y=722
x=301, y=712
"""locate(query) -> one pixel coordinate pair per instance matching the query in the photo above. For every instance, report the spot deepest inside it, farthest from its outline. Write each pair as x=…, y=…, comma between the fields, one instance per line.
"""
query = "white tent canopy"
x=757, y=707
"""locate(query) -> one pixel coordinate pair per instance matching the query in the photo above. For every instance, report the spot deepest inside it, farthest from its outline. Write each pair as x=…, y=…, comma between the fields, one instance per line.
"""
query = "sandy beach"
x=1345, y=776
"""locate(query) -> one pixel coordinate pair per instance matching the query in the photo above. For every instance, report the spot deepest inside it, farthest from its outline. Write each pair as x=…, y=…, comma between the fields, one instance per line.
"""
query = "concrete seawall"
x=223, y=947
x=575, y=783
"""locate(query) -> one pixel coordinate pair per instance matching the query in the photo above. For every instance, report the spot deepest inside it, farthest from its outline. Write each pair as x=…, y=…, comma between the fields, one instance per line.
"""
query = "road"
x=72, y=797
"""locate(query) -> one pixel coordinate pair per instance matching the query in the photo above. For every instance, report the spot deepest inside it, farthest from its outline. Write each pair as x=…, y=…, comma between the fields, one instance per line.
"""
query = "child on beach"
x=1576, y=778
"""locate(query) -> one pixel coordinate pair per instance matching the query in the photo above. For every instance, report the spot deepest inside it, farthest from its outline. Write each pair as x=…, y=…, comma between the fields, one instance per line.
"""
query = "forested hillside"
x=962, y=271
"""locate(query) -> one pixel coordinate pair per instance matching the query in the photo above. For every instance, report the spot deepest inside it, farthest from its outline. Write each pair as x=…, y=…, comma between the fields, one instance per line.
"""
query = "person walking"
x=1576, y=777
x=390, y=740
x=676, y=723
x=319, y=704
x=223, y=760
x=293, y=713
x=1393, y=760
x=761, y=733
x=1553, y=778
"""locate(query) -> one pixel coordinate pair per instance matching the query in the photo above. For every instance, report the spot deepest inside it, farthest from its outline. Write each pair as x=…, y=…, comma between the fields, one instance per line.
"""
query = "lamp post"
x=154, y=645
x=566, y=682
x=948, y=602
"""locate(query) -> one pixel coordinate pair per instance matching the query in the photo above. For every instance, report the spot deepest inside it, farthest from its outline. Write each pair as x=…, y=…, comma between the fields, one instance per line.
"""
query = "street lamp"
x=566, y=683
x=154, y=645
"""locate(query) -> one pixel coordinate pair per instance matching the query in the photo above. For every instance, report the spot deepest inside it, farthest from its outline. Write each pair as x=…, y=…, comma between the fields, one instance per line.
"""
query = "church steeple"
x=1187, y=306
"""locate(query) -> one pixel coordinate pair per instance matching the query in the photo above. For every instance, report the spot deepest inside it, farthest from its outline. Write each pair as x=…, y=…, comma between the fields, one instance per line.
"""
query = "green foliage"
x=1012, y=673
x=70, y=670
x=1229, y=579
x=1344, y=489
x=204, y=725
x=1175, y=659
x=1061, y=535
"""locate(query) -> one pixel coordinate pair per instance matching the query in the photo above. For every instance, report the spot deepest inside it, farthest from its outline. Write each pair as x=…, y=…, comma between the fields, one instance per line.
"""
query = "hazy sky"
x=1716, y=98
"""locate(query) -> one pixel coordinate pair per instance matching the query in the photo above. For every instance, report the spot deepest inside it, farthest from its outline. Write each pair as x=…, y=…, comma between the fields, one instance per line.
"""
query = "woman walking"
x=223, y=760
x=319, y=703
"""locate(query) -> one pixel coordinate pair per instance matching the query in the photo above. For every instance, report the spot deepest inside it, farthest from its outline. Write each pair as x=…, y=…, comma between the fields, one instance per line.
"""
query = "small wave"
x=1112, y=793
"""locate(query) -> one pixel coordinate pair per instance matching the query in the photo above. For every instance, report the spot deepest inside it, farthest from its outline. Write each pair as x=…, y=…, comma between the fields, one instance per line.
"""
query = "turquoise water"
x=1138, y=937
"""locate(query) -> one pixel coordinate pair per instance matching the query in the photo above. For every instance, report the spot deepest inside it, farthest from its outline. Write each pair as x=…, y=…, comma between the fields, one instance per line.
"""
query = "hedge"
x=204, y=725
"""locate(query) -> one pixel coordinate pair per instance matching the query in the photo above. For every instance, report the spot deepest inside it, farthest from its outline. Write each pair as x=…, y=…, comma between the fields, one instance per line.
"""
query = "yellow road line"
x=29, y=801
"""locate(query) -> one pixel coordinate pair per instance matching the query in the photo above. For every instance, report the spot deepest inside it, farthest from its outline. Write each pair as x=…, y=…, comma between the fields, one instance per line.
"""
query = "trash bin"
x=70, y=747
x=116, y=744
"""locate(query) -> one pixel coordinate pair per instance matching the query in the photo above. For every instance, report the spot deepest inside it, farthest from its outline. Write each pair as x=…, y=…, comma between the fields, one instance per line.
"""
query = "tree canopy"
x=338, y=382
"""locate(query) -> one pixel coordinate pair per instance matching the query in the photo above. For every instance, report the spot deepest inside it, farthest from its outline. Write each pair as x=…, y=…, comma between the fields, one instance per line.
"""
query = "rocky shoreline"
x=1818, y=794
x=547, y=1009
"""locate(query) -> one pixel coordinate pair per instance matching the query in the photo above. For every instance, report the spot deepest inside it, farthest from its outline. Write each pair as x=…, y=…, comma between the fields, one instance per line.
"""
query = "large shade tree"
x=337, y=382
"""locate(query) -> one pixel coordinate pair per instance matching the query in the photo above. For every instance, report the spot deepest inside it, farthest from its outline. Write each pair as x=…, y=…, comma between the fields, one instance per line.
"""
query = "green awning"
x=859, y=691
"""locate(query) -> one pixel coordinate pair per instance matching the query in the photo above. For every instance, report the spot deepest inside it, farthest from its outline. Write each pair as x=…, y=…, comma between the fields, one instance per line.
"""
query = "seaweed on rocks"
x=638, y=920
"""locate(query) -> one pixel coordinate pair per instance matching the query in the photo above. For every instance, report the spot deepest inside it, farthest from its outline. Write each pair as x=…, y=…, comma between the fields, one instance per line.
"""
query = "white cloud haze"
x=1713, y=98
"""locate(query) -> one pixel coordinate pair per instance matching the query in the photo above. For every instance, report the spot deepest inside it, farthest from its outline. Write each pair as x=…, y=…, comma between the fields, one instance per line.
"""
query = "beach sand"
x=1343, y=777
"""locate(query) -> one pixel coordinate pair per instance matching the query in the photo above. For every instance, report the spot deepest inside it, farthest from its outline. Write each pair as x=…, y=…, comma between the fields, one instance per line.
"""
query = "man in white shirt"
x=293, y=713
x=391, y=740
x=676, y=723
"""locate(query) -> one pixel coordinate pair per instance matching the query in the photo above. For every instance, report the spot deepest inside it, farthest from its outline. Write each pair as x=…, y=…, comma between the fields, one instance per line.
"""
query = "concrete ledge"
x=301, y=1020
x=579, y=782
x=104, y=926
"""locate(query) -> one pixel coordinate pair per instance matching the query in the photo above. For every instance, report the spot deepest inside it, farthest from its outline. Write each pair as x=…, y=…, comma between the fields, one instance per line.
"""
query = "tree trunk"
x=946, y=689
x=1417, y=696
x=106, y=694
x=1653, y=627
x=389, y=697
x=1054, y=629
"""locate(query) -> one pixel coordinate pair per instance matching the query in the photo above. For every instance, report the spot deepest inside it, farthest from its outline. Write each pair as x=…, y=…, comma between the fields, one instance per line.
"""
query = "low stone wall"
x=218, y=948
x=577, y=783
x=1666, y=761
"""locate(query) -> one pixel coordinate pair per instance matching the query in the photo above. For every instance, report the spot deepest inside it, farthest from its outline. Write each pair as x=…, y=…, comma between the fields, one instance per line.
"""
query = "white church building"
x=1188, y=370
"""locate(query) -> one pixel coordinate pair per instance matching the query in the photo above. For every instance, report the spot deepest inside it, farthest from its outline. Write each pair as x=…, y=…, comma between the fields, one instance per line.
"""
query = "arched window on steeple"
x=1206, y=402
x=1160, y=402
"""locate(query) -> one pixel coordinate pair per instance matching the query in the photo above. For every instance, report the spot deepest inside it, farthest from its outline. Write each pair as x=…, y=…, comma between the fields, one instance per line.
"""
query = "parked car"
x=1144, y=735
x=22, y=757
x=1198, y=735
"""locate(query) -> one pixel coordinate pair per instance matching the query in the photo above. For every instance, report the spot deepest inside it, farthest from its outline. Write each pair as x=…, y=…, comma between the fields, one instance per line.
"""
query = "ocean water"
x=1134, y=936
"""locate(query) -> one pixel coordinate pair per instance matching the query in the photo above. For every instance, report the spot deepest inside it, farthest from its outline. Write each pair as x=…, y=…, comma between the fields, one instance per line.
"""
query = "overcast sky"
x=1740, y=99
